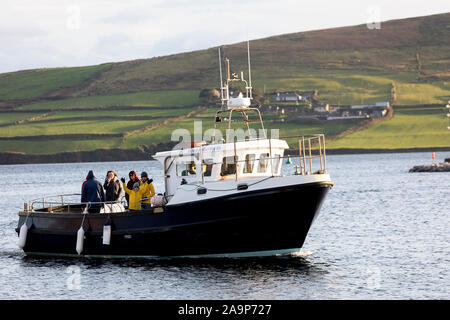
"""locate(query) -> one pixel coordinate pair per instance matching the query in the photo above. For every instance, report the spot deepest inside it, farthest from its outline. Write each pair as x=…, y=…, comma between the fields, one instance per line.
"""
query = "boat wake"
x=301, y=254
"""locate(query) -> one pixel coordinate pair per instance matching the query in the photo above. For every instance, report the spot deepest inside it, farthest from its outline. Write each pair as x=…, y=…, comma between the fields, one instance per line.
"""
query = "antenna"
x=249, y=69
x=221, y=81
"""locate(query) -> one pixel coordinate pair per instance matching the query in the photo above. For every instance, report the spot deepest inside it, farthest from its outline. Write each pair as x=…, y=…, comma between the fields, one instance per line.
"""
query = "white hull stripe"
x=266, y=253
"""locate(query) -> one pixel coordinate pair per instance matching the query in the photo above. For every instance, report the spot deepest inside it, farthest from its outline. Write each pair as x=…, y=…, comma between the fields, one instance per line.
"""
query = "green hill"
x=134, y=103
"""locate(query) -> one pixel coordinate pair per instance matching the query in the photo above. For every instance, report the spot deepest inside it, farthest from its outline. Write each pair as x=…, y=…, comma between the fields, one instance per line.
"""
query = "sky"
x=61, y=33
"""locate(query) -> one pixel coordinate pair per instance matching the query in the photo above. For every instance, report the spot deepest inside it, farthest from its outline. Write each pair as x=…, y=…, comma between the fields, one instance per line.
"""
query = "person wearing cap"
x=133, y=179
x=135, y=195
x=148, y=191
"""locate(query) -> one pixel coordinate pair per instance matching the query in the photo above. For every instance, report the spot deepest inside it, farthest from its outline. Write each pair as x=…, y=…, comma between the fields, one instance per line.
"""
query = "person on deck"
x=148, y=192
x=135, y=195
x=82, y=186
x=92, y=192
x=133, y=179
x=113, y=187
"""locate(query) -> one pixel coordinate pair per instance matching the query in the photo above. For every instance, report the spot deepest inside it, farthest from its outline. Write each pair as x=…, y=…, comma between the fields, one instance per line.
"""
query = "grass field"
x=163, y=98
x=37, y=82
x=205, y=121
x=6, y=118
x=123, y=114
x=408, y=128
x=70, y=123
x=58, y=145
x=74, y=127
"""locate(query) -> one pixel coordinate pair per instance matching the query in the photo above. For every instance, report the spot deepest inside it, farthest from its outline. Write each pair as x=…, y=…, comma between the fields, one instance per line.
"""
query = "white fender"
x=23, y=236
x=107, y=234
x=80, y=240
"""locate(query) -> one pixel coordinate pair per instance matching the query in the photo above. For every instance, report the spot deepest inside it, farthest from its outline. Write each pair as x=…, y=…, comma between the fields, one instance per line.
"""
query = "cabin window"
x=207, y=167
x=249, y=162
x=228, y=166
x=263, y=162
x=276, y=163
x=186, y=169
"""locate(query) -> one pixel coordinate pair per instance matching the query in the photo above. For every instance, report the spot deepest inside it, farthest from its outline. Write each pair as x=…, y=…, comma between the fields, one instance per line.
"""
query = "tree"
x=208, y=96
x=259, y=97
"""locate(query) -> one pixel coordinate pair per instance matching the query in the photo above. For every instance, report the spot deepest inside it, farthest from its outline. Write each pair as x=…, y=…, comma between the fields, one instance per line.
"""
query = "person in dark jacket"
x=113, y=187
x=82, y=186
x=133, y=179
x=92, y=192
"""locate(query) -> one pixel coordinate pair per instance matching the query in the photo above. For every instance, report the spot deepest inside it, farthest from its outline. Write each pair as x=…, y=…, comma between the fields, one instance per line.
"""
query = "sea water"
x=382, y=233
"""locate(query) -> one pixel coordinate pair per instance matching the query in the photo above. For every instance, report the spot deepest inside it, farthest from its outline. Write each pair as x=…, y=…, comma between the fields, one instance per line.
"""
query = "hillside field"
x=134, y=104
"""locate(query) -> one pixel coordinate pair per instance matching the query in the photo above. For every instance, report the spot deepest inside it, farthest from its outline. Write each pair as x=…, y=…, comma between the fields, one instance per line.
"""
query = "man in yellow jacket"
x=148, y=192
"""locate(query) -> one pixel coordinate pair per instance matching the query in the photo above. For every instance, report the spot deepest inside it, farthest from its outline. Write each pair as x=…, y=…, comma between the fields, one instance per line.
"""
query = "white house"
x=287, y=96
x=321, y=107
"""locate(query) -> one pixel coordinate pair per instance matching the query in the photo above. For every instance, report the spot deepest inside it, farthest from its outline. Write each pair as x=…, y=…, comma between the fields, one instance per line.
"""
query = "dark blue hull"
x=271, y=220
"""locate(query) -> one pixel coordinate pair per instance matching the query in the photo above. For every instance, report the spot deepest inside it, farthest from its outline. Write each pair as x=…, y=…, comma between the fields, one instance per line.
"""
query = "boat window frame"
x=263, y=161
x=276, y=161
x=250, y=159
x=205, y=164
x=226, y=162
x=191, y=163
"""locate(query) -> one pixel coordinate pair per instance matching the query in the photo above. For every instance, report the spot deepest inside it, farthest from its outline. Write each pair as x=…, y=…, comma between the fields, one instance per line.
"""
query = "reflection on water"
x=181, y=278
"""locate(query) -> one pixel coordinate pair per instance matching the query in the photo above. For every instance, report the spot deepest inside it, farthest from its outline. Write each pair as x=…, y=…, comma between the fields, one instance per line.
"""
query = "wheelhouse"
x=242, y=160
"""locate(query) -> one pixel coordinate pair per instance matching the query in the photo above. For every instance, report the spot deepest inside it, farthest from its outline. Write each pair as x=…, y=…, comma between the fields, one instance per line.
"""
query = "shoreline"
x=145, y=152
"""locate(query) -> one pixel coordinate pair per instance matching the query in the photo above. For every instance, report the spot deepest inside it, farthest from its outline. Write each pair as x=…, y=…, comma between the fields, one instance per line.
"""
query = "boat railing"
x=311, y=154
x=62, y=200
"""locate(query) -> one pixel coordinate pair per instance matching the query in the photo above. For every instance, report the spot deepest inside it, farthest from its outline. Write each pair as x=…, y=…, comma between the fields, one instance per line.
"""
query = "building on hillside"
x=383, y=104
x=287, y=96
x=321, y=108
x=307, y=95
x=376, y=110
x=334, y=109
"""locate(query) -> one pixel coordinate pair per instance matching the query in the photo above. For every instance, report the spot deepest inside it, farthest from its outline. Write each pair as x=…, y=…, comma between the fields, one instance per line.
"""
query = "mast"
x=241, y=103
x=221, y=79
x=249, y=70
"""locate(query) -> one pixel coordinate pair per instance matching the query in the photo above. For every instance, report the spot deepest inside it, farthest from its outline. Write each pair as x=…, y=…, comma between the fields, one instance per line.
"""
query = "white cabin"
x=239, y=161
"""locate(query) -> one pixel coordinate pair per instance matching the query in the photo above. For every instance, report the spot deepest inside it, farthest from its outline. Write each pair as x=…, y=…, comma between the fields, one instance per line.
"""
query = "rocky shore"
x=435, y=167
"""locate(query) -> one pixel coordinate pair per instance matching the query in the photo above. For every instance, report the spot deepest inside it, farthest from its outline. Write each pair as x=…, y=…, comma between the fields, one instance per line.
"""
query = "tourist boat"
x=221, y=199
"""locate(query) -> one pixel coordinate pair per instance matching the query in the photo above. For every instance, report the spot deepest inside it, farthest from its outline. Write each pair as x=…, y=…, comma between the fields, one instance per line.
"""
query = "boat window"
x=228, y=166
x=249, y=162
x=276, y=163
x=263, y=162
x=207, y=167
x=186, y=169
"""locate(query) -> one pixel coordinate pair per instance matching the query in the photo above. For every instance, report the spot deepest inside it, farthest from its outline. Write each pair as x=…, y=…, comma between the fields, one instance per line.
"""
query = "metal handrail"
x=306, y=147
x=50, y=204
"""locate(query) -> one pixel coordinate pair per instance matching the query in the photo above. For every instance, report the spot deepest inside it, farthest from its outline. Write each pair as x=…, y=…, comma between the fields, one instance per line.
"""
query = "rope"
x=26, y=219
x=200, y=186
x=82, y=222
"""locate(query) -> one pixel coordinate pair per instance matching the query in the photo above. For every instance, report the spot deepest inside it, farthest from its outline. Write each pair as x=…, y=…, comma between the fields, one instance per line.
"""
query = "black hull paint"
x=267, y=220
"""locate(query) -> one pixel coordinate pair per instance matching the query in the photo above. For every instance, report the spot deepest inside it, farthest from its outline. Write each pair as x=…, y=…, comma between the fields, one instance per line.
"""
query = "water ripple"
x=382, y=234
